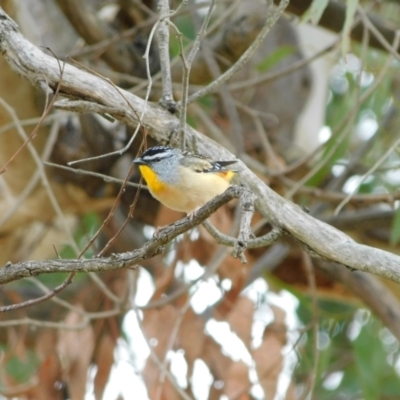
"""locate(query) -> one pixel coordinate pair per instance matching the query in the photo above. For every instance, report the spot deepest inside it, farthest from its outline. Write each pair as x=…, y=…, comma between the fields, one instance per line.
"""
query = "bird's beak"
x=139, y=161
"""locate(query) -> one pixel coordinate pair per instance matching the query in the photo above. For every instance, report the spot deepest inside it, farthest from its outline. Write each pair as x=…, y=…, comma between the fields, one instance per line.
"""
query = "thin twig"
x=101, y=47
x=226, y=97
x=11, y=272
x=343, y=123
x=315, y=324
x=50, y=294
x=245, y=57
x=211, y=269
x=106, y=178
x=170, y=345
x=120, y=93
x=28, y=139
x=337, y=197
x=40, y=167
x=262, y=241
x=167, y=99
x=128, y=218
x=392, y=49
x=187, y=65
x=87, y=317
x=246, y=207
x=274, y=75
x=32, y=121
x=35, y=177
x=109, y=216
x=213, y=130
x=392, y=148
x=46, y=184
x=270, y=154
x=55, y=299
x=158, y=362
x=325, y=240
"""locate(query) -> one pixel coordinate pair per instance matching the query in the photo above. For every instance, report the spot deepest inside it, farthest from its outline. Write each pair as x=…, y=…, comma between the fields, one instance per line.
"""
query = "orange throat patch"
x=228, y=175
x=151, y=178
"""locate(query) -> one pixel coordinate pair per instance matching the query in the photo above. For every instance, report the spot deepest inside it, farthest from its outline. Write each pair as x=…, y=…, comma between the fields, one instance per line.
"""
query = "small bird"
x=183, y=180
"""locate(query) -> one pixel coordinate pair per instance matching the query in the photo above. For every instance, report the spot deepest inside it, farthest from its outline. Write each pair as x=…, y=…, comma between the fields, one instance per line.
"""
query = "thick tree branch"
x=43, y=71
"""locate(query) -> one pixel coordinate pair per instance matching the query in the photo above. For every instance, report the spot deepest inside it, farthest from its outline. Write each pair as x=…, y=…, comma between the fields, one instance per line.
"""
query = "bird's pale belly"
x=192, y=197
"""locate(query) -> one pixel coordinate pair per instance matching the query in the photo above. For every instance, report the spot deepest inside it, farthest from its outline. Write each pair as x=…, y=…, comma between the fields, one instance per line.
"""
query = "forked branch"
x=11, y=272
x=43, y=71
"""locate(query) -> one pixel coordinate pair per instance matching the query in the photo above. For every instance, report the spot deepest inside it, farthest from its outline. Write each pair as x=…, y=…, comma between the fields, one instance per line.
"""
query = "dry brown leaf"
x=217, y=362
x=22, y=97
x=50, y=369
x=237, y=273
x=166, y=391
x=199, y=250
x=16, y=348
x=268, y=357
x=191, y=338
x=237, y=383
x=37, y=209
x=41, y=385
x=76, y=350
x=49, y=379
x=104, y=359
x=241, y=318
x=158, y=325
x=166, y=216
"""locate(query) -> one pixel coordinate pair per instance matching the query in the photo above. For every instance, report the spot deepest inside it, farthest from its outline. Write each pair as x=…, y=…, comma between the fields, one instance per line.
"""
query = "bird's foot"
x=156, y=232
x=192, y=213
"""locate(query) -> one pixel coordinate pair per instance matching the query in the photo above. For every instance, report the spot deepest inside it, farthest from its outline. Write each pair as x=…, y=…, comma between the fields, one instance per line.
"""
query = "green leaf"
x=275, y=57
x=369, y=353
x=335, y=308
x=395, y=232
x=348, y=23
x=22, y=370
x=377, y=378
x=89, y=224
x=325, y=171
x=349, y=388
x=315, y=11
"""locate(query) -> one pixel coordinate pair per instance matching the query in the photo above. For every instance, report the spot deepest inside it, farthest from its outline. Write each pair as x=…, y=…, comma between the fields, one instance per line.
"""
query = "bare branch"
x=121, y=56
x=270, y=22
x=106, y=178
x=167, y=99
x=30, y=62
x=11, y=272
x=334, y=16
x=226, y=240
x=369, y=289
x=187, y=65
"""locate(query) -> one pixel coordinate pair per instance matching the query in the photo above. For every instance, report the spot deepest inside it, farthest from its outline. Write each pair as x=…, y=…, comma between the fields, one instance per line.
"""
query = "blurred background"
x=314, y=113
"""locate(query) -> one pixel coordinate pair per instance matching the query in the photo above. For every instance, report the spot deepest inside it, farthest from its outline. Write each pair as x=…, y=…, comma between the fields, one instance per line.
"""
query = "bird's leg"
x=157, y=231
x=192, y=213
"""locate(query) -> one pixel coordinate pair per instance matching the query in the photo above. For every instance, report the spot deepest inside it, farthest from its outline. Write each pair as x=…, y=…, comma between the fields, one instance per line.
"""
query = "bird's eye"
x=156, y=159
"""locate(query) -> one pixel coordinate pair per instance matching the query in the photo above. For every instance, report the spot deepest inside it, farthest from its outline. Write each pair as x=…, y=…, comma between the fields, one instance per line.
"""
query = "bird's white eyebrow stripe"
x=157, y=155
